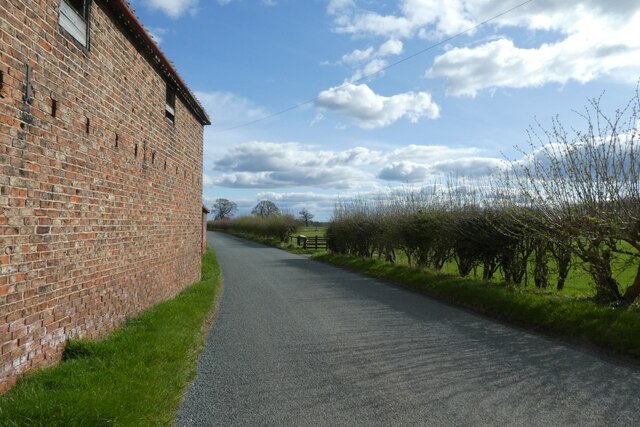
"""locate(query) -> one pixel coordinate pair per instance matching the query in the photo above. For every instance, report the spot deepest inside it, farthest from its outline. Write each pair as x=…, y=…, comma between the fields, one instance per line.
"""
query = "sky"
x=377, y=96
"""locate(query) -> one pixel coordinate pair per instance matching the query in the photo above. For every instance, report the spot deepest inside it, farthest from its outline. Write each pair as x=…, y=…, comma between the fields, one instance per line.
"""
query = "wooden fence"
x=312, y=242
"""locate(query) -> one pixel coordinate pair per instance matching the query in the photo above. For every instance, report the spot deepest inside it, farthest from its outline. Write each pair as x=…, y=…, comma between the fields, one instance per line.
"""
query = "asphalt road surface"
x=298, y=342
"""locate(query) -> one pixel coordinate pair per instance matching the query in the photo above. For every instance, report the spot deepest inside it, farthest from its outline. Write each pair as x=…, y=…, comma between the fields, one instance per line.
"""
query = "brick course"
x=100, y=194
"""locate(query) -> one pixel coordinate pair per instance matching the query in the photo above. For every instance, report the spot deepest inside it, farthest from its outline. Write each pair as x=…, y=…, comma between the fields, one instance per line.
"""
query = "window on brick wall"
x=74, y=18
x=170, y=104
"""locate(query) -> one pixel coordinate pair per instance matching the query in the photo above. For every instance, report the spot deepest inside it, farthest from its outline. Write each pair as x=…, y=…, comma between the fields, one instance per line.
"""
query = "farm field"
x=313, y=230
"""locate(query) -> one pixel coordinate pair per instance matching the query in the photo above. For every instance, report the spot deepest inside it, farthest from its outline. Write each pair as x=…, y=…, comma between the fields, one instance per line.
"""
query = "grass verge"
x=575, y=319
x=135, y=377
x=270, y=241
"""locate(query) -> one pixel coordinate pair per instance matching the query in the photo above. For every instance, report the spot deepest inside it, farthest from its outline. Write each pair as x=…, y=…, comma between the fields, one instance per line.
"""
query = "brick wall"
x=100, y=195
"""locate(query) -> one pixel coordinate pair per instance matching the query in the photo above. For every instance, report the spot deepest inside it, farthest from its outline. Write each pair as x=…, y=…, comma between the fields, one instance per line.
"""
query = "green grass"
x=575, y=319
x=579, y=283
x=313, y=230
x=135, y=377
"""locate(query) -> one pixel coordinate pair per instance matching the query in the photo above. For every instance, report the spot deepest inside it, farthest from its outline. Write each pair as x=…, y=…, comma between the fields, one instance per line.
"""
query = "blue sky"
x=457, y=109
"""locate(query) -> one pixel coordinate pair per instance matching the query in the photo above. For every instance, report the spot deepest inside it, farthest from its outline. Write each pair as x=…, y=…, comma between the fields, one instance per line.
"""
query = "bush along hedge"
x=278, y=227
x=574, y=199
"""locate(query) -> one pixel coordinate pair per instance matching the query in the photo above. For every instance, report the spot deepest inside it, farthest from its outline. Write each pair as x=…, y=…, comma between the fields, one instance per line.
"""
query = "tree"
x=223, y=208
x=584, y=185
x=265, y=209
x=306, y=216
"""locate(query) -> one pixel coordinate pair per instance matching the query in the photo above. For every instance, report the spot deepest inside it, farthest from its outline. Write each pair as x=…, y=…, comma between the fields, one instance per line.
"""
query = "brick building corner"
x=101, y=148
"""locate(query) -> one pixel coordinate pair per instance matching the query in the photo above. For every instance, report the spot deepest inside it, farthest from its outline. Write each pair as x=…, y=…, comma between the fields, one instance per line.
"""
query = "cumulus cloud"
x=173, y=8
x=404, y=172
x=502, y=64
x=271, y=165
x=413, y=17
x=370, y=110
x=357, y=55
x=422, y=163
x=391, y=47
x=585, y=40
x=371, y=61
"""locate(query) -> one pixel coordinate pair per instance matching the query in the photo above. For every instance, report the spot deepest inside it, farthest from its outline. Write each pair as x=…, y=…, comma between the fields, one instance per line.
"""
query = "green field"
x=313, y=230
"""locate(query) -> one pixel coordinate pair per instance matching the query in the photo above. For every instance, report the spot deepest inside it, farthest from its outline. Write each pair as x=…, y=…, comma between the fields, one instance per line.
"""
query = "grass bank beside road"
x=574, y=319
x=135, y=377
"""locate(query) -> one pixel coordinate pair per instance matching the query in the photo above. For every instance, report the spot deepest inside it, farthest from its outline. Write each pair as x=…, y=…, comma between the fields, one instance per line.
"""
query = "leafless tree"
x=306, y=216
x=585, y=185
x=265, y=209
x=224, y=208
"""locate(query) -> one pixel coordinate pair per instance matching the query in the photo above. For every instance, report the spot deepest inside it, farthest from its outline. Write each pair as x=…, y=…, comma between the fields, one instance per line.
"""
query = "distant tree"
x=306, y=216
x=223, y=208
x=265, y=209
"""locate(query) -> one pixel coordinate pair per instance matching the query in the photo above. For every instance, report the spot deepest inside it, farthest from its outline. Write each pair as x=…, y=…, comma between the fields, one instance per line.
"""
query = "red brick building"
x=100, y=176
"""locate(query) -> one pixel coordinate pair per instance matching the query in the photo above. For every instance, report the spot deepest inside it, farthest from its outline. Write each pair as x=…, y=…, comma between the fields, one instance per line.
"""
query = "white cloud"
x=585, y=39
x=404, y=172
x=173, y=8
x=357, y=56
x=270, y=165
x=500, y=63
x=337, y=6
x=373, y=67
x=391, y=47
x=424, y=163
x=371, y=61
x=370, y=110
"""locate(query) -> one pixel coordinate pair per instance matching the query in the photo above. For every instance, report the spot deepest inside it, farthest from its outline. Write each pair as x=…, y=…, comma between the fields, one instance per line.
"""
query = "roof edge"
x=128, y=18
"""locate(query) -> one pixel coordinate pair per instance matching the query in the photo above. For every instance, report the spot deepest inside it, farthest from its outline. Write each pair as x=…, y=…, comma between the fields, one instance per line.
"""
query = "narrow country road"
x=298, y=342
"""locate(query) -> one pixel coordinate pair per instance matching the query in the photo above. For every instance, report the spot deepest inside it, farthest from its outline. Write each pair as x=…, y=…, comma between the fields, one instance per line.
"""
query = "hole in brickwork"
x=153, y=157
x=117, y=140
x=165, y=164
x=87, y=126
x=54, y=107
x=78, y=191
x=23, y=125
x=135, y=150
x=1, y=82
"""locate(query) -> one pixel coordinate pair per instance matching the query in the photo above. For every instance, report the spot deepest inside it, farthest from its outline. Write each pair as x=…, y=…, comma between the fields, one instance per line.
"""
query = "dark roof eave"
x=130, y=21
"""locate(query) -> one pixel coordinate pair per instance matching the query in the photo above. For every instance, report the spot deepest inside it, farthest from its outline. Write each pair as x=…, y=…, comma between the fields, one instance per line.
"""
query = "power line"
x=367, y=76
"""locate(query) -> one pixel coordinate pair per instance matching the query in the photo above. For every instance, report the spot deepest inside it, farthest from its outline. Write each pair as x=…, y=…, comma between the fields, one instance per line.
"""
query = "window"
x=74, y=17
x=170, y=104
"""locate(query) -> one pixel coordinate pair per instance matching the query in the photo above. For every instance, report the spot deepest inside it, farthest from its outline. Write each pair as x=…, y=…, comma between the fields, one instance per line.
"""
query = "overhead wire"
x=381, y=70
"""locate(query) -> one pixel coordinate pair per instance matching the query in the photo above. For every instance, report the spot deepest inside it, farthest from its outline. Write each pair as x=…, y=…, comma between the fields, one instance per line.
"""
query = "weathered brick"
x=91, y=233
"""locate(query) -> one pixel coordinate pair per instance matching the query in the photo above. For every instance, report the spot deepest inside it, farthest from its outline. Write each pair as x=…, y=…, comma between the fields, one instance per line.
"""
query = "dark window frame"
x=170, y=104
